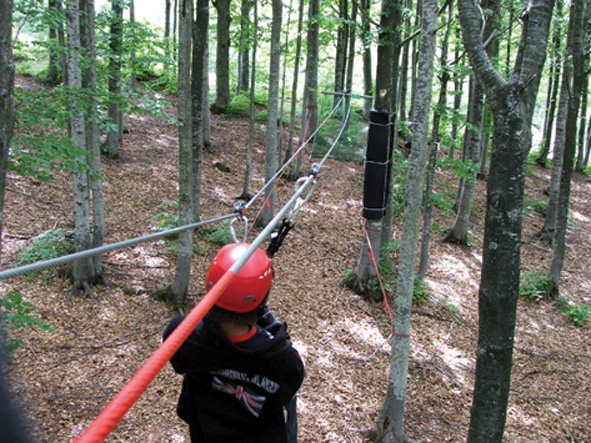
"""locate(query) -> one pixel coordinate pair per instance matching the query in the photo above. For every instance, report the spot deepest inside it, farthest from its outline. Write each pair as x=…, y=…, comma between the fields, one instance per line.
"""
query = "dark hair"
x=221, y=315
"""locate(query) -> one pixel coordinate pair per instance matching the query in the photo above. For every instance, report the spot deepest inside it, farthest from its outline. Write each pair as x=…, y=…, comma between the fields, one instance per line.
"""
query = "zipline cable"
x=39, y=266
x=295, y=154
x=108, y=419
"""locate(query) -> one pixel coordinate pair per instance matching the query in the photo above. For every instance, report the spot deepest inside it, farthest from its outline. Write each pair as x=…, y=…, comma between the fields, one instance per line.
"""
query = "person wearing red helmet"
x=241, y=371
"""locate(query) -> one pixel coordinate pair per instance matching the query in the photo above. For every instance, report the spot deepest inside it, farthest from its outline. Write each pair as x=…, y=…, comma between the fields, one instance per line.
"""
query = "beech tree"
x=222, y=56
x=512, y=103
x=84, y=275
x=575, y=59
x=115, y=133
x=6, y=97
x=180, y=286
x=390, y=427
x=272, y=112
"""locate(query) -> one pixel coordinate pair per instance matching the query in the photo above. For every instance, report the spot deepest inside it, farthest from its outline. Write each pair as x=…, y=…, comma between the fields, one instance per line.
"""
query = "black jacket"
x=235, y=393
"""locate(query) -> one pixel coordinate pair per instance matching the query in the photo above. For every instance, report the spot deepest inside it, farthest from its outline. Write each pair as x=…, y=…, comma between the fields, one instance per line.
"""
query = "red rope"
x=108, y=419
x=386, y=304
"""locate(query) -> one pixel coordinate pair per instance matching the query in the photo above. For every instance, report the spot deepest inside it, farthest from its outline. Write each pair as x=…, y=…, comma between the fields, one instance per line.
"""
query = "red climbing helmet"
x=252, y=283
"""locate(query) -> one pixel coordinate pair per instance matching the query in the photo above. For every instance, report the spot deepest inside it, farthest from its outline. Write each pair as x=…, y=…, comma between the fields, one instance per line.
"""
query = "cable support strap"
x=108, y=419
x=373, y=162
x=39, y=266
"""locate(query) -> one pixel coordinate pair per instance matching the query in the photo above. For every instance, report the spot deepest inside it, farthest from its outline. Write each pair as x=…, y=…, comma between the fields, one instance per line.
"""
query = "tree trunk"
x=246, y=30
x=457, y=94
x=294, y=85
x=89, y=82
x=114, y=135
x=199, y=89
x=54, y=67
x=310, y=98
x=385, y=100
x=6, y=98
x=222, y=57
x=180, y=285
x=458, y=233
x=364, y=6
x=553, y=83
x=576, y=58
x=391, y=419
x=341, y=51
x=435, y=138
x=512, y=103
x=248, y=163
x=83, y=274
x=547, y=231
x=272, y=113
x=132, y=55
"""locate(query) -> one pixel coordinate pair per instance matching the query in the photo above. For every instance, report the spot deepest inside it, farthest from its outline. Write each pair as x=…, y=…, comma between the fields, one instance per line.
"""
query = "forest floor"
x=65, y=378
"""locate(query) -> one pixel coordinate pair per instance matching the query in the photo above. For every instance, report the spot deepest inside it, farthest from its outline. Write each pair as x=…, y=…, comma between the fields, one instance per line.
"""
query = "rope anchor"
x=240, y=211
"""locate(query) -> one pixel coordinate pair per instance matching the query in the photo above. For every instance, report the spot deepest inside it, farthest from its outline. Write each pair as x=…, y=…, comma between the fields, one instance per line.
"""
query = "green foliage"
x=419, y=293
x=47, y=245
x=168, y=218
x=462, y=169
x=399, y=176
x=536, y=205
x=240, y=105
x=41, y=147
x=15, y=313
x=442, y=201
x=219, y=236
x=534, y=284
x=579, y=315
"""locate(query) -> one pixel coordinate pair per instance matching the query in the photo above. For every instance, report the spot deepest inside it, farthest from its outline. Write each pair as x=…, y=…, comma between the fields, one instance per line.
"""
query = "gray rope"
x=39, y=266
x=45, y=264
x=287, y=163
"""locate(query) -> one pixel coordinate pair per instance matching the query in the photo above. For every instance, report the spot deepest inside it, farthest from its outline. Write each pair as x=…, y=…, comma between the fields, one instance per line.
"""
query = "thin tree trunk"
x=435, y=138
x=83, y=273
x=199, y=84
x=272, y=112
x=391, y=419
x=367, y=66
x=576, y=57
x=180, y=285
x=246, y=29
x=294, y=85
x=553, y=87
x=341, y=52
x=222, y=58
x=92, y=136
x=253, y=75
x=116, y=52
x=6, y=98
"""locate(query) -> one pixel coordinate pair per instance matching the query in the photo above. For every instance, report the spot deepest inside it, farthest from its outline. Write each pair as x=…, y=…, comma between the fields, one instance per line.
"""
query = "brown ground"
x=67, y=377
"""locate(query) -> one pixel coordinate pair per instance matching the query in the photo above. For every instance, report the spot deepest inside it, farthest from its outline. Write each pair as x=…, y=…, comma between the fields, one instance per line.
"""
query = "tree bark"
x=512, y=103
x=180, y=285
x=246, y=31
x=272, y=112
x=83, y=274
x=385, y=101
x=115, y=134
x=6, y=98
x=391, y=419
x=89, y=82
x=199, y=89
x=222, y=57
x=575, y=57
